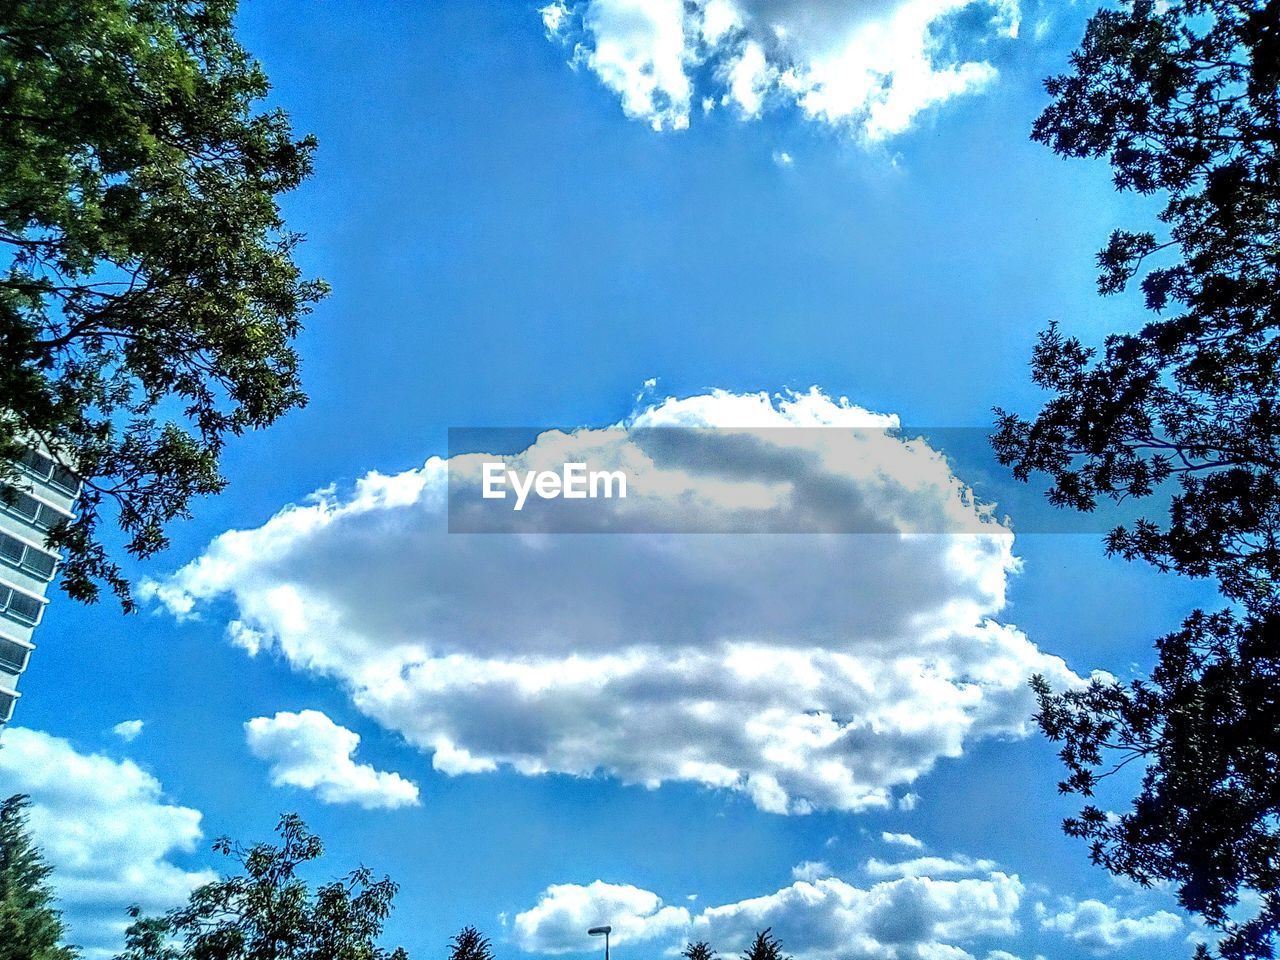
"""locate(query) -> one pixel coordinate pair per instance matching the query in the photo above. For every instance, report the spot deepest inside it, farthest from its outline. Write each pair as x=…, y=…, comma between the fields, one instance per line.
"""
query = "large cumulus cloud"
x=931, y=908
x=828, y=917
x=870, y=67
x=813, y=671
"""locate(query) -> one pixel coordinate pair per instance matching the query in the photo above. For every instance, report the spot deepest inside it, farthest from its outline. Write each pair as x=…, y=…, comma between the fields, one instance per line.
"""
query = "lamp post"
x=597, y=931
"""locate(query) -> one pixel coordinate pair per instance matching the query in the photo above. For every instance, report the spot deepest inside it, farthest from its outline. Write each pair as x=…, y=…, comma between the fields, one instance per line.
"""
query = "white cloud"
x=1099, y=927
x=639, y=52
x=827, y=917
x=928, y=867
x=870, y=67
x=107, y=830
x=564, y=913
x=902, y=840
x=806, y=672
x=128, y=730
x=783, y=159
x=908, y=801
x=811, y=870
x=310, y=751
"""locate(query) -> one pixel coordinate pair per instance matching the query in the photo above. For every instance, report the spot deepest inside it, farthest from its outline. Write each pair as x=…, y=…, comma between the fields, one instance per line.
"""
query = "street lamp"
x=598, y=931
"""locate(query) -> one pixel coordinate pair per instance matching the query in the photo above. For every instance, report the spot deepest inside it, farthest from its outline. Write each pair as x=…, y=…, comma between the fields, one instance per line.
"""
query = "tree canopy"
x=698, y=950
x=267, y=911
x=149, y=297
x=470, y=944
x=1183, y=100
x=765, y=946
x=30, y=925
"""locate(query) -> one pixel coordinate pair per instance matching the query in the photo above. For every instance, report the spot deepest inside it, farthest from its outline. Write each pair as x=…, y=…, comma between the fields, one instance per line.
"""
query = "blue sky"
x=508, y=247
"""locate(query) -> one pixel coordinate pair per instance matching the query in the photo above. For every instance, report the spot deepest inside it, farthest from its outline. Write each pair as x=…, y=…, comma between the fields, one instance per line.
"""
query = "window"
x=45, y=468
x=13, y=656
x=24, y=557
x=39, y=515
x=12, y=550
x=20, y=606
x=7, y=699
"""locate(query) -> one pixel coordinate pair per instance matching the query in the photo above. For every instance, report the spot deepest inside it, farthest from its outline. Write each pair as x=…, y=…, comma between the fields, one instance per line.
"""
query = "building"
x=45, y=493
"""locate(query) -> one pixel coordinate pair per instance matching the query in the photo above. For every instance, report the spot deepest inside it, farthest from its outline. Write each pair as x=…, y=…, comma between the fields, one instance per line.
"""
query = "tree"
x=30, y=926
x=1204, y=724
x=268, y=912
x=1182, y=99
x=1183, y=102
x=149, y=298
x=469, y=944
x=765, y=947
x=698, y=950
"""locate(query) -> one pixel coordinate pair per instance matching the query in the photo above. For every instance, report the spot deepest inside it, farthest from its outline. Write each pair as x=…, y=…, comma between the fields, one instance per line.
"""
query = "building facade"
x=45, y=493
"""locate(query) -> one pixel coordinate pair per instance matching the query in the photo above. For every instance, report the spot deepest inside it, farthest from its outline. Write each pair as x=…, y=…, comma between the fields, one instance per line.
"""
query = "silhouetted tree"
x=149, y=298
x=30, y=926
x=1184, y=102
x=1183, y=99
x=698, y=950
x=268, y=912
x=469, y=944
x=1204, y=725
x=765, y=947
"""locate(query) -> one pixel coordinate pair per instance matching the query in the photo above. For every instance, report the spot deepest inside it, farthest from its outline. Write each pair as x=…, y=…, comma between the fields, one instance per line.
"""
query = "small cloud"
x=128, y=730
x=783, y=159
x=558, y=923
x=553, y=17
x=310, y=751
x=908, y=801
x=811, y=870
x=902, y=840
x=930, y=867
x=1099, y=927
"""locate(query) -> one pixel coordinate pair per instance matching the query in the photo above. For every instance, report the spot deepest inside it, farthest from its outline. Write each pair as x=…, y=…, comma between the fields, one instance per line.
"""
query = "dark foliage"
x=268, y=912
x=148, y=293
x=765, y=946
x=30, y=926
x=1203, y=726
x=1184, y=101
x=470, y=944
x=698, y=950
